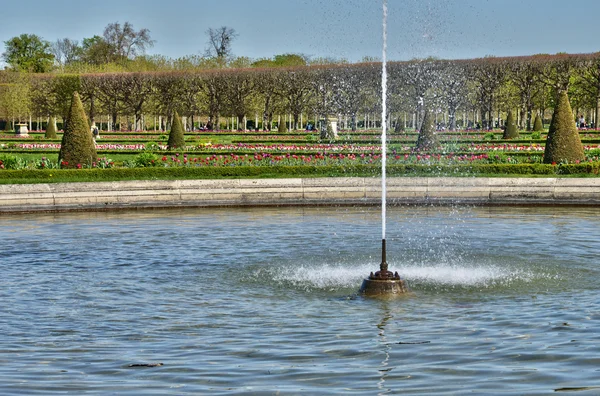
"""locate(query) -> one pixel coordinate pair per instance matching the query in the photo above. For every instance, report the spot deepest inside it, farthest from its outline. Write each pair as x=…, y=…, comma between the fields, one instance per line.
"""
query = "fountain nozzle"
x=383, y=282
x=383, y=273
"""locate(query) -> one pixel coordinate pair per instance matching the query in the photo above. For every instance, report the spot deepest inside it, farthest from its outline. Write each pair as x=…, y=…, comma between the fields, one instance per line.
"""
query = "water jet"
x=383, y=282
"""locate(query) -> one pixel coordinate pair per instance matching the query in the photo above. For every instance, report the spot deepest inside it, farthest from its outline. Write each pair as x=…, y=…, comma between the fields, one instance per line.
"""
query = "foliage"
x=29, y=53
x=538, y=125
x=176, y=136
x=77, y=146
x=510, y=127
x=284, y=60
x=161, y=173
x=145, y=160
x=563, y=144
x=51, y=129
x=15, y=92
x=8, y=161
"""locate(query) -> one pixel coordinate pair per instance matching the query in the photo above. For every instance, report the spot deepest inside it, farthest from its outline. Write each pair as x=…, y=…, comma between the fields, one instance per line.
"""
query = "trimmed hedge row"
x=112, y=174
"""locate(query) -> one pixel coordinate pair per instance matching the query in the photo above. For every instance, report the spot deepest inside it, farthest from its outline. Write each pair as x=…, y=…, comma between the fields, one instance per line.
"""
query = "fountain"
x=383, y=282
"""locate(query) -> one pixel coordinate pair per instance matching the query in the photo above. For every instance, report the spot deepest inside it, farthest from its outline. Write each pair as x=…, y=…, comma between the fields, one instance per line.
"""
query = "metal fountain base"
x=381, y=287
x=383, y=282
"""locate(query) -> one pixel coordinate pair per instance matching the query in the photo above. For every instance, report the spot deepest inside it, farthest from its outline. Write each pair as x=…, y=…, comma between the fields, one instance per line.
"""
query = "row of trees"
x=481, y=90
x=122, y=48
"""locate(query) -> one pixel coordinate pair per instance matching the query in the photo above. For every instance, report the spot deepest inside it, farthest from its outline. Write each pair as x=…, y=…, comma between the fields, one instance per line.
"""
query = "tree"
x=96, y=51
x=77, y=147
x=15, y=93
x=219, y=42
x=66, y=51
x=510, y=129
x=284, y=60
x=239, y=92
x=125, y=42
x=176, y=136
x=28, y=53
x=563, y=143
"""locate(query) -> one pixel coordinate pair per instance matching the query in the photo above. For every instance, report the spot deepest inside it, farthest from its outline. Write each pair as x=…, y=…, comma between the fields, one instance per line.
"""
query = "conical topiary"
x=77, y=147
x=282, y=128
x=399, y=127
x=427, y=138
x=563, y=143
x=510, y=128
x=176, y=136
x=538, y=125
x=51, y=129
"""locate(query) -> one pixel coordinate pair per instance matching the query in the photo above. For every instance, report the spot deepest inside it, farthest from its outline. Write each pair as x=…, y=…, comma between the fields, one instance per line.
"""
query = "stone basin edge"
x=309, y=191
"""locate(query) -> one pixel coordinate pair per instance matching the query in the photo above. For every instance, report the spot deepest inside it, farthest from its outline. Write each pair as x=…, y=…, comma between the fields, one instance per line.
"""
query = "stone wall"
x=319, y=191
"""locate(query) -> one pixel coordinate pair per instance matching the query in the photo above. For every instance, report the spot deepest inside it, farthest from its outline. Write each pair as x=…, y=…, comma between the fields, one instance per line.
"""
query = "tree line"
x=462, y=93
x=122, y=48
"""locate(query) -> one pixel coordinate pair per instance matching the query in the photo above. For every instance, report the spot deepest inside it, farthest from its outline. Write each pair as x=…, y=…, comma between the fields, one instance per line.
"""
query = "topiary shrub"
x=176, y=136
x=51, y=129
x=427, y=139
x=563, y=144
x=510, y=128
x=282, y=128
x=399, y=127
x=538, y=125
x=77, y=146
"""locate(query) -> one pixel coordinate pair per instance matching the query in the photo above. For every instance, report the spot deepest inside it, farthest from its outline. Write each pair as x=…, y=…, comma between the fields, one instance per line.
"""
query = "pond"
x=264, y=301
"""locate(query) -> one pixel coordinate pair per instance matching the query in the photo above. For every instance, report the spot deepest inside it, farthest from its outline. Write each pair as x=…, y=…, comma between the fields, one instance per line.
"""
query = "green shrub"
x=427, y=139
x=8, y=161
x=176, y=136
x=489, y=136
x=51, y=129
x=510, y=127
x=538, y=125
x=145, y=160
x=536, y=135
x=77, y=146
x=563, y=144
x=152, y=146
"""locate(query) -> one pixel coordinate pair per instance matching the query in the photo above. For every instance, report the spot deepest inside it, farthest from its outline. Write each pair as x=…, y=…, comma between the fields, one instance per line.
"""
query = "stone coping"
x=317, y=191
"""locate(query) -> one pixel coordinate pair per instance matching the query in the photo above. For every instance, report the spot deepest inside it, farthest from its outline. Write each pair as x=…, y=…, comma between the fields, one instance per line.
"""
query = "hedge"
x=113, y=174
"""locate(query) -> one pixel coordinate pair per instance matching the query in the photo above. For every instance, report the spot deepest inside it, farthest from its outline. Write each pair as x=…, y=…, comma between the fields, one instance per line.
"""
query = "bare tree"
x=219, y=42
x=125, y=42
x=66, y=51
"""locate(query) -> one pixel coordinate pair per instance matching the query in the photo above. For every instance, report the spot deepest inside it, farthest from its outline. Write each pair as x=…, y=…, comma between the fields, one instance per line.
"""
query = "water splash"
x=337, y=277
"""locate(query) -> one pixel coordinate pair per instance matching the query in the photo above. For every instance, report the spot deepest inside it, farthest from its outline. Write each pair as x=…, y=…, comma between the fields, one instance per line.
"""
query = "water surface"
x=263, y=301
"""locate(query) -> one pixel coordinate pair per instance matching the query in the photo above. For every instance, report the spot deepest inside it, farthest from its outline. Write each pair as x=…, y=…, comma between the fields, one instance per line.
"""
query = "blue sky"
x=339, y=28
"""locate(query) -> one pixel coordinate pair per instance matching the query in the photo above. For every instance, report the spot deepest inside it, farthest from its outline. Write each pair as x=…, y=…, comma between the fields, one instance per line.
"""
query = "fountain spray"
x=383, y=282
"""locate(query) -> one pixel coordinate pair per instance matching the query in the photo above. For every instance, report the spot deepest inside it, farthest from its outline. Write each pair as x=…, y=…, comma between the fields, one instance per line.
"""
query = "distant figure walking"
x=581, y=121
x=95, y=132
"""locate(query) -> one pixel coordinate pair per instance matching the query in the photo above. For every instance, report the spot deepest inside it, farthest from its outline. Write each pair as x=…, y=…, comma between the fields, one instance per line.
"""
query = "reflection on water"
x=263, y=300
